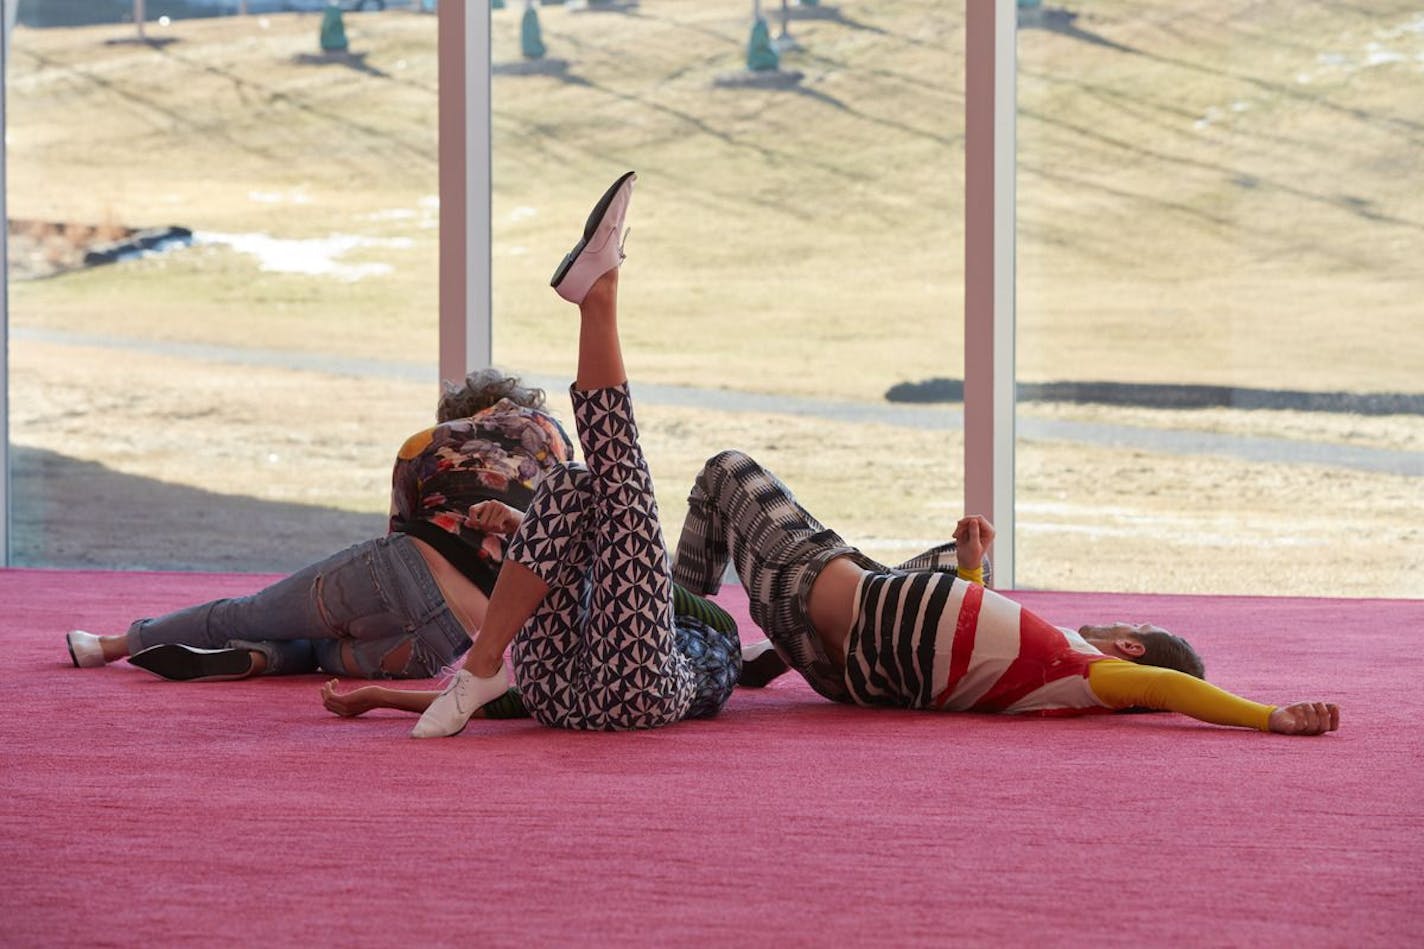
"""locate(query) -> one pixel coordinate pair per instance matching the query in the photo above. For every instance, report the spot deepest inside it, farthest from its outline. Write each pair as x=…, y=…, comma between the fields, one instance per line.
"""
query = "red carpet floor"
x=139, y=812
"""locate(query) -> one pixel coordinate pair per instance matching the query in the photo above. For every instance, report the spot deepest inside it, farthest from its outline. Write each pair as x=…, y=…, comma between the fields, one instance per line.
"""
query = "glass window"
x=795, y=250
x=223, y=280
x=1220, y=336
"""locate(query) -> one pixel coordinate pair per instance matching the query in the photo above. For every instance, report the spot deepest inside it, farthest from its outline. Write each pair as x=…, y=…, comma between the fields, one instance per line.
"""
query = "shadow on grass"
x=1065, y=23
x=80, y=514
x=350, y=60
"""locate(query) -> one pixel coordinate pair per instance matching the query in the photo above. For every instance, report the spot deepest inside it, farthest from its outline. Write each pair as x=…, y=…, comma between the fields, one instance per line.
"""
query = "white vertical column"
x=989, y=369
x=464, y=79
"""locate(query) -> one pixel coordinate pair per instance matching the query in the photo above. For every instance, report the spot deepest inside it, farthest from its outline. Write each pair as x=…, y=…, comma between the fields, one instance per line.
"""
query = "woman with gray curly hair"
x=398, y=606
x=484, y=388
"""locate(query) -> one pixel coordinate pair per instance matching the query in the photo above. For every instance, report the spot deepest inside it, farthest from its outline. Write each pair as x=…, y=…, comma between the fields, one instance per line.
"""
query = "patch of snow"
x=314, y=256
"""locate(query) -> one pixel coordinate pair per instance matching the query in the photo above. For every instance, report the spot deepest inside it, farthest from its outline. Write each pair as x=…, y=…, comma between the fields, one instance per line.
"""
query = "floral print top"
x=499, y=454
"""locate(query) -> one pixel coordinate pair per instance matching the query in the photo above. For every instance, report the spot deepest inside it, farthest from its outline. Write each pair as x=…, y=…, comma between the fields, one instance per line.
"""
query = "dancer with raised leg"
x=585, y=593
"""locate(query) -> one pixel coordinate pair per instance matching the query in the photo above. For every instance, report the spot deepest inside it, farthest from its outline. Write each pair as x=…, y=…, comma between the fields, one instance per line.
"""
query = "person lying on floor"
x=398, y=606
x=917, y=637
x=585, y=595
x=922, y=637
x=401, y=606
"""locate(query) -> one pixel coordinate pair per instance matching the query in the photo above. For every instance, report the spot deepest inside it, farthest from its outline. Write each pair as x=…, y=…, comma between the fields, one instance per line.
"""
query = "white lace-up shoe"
x=451, y=710
x=601, y=247
x=84, y=649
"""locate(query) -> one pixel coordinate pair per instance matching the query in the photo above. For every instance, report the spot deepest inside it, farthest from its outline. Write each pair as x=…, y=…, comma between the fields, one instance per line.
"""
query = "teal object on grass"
x=333, y=30
x=761, y=55
x=531, y=41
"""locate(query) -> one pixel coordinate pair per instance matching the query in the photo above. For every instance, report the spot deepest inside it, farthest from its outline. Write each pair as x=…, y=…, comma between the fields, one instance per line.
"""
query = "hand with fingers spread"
x=972, y=537
x=493, y=517
x=1305, y=718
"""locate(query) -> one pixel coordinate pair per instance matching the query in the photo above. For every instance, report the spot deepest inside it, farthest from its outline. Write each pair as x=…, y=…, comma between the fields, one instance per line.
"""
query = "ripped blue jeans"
x=378, y=596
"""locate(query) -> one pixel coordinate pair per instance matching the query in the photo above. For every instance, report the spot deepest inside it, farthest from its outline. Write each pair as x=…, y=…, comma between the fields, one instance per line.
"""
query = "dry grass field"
x=1225, y=194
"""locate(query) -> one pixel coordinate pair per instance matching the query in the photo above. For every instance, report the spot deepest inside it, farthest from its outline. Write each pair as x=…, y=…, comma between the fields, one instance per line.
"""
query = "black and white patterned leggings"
x=599, y=653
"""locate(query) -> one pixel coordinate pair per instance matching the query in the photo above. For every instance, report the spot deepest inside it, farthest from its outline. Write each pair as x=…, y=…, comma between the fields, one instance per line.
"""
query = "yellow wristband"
x=973, y=576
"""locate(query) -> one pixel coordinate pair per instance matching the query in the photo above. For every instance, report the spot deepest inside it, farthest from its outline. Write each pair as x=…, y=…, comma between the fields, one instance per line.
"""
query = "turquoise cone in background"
x=333, y=30
x=761, y=55
x=531, y=41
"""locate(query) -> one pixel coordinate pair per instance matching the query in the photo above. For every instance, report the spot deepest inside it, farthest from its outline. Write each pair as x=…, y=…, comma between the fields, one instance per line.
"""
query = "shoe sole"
x=178, y=663
x=591, y=225
x=72, y=657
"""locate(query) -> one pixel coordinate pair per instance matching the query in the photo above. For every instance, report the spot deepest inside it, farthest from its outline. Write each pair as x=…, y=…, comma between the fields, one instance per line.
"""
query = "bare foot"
x=348, y=705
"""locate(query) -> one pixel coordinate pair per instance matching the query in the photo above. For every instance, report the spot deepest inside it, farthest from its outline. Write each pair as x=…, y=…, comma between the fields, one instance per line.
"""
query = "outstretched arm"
x=367, y=697
x=1120, y=684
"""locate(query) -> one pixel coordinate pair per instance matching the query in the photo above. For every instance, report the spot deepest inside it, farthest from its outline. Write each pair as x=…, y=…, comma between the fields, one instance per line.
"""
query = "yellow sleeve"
x=973, y=576
x=1121, y=684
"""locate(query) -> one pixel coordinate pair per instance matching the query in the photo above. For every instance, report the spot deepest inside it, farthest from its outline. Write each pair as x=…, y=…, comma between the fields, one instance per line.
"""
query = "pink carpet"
x=139, y=812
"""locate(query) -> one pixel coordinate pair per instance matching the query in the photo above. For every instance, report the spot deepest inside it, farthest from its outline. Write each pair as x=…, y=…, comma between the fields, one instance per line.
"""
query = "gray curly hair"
x=482, y=389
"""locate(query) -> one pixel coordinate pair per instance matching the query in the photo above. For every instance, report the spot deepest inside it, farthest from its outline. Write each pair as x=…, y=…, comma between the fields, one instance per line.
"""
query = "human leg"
x=372, y=610
x=588, y=276
x=634, y=676
x=604, y=659
x=595, y=648
x=739, y=510
x=549, y=594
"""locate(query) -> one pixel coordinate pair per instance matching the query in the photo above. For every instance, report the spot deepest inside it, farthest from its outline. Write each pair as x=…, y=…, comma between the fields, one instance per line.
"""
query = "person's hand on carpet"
x=363, y=699
x=350, y=704
x=1305, y=718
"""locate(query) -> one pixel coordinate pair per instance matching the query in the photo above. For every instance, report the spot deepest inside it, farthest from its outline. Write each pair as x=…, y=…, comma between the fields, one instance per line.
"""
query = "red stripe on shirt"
x=1044, y=656
x=963, y=649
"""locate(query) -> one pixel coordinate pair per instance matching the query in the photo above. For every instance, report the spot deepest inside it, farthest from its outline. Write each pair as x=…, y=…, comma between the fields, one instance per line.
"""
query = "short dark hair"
x=1170, y=652
x=482, y=389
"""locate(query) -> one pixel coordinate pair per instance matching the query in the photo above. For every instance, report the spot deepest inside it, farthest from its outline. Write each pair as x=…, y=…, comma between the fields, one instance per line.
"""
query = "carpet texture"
x=140, y=812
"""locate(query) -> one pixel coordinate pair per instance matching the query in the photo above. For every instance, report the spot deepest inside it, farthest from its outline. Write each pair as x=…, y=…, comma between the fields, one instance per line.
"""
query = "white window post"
x=989, y=370
x=465, y=292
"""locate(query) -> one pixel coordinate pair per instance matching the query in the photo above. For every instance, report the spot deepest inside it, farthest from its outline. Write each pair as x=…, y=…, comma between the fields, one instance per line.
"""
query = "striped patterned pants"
x=741, y=511
x=599, y=653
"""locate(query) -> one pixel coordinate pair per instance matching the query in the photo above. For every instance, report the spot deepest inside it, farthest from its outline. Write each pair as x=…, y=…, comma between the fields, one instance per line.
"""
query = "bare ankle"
x=482, y=666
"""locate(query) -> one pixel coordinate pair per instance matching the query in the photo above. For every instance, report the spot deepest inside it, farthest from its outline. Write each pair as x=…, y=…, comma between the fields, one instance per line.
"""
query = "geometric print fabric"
x=600, y=653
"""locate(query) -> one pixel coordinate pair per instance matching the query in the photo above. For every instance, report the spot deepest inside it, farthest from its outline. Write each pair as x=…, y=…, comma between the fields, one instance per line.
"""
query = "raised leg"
x=607, y=660
x=740, y=510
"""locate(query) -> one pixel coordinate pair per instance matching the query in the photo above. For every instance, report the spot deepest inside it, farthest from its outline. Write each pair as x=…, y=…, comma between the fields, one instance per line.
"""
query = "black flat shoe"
x=760, y=665
x=180, y=663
